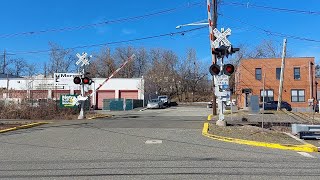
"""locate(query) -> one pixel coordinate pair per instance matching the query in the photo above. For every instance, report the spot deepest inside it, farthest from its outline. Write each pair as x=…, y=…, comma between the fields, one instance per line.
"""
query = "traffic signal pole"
x=82, y=115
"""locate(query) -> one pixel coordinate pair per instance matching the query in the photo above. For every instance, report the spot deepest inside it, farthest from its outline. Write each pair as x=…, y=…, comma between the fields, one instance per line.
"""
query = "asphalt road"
x=152, y=144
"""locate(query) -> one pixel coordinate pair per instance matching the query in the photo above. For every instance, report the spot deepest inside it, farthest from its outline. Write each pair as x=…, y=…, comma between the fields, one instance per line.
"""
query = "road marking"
x=143, y=109
x=306, y=154
x=153, y=141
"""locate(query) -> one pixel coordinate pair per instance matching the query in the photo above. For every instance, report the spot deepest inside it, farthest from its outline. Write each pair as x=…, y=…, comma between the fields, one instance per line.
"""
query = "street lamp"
x=192, y=24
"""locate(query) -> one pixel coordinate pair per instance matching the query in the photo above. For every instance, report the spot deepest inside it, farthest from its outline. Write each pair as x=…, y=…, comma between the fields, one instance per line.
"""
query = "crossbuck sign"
x=221, y=37
x=82, y=59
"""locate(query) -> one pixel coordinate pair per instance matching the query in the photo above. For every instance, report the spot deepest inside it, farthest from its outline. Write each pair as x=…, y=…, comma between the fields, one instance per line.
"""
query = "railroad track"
x=301, y=117
x=297, y=116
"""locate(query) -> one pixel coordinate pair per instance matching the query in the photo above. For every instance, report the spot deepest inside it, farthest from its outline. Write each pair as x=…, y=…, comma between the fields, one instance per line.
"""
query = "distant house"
x=299, y=84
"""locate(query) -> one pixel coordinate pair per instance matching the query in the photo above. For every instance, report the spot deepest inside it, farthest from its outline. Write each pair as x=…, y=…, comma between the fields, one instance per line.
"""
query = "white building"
x=43, y=88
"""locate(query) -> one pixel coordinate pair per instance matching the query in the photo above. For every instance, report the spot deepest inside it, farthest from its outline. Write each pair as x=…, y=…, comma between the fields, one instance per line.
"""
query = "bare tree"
x=162, y=76
x=121, y=55
x=102, y=64
x=266, y=49
x=31, y=69
x=192, y=72
x=141, y=62
x=61, y=60
x=19, y=66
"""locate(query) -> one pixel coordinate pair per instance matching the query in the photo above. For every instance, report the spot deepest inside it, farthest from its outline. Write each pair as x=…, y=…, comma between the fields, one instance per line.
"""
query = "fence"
x=119, y=105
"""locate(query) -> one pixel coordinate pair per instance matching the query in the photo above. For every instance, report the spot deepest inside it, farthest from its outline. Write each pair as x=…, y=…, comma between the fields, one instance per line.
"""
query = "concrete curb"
x=301, y=148
x=23, y=126
x=101, y=116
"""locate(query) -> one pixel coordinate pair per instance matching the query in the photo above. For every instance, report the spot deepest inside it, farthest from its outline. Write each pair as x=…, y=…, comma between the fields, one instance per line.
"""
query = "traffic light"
x=85, y=80
x=77, y=80
x=214, y=69
x=228, y=69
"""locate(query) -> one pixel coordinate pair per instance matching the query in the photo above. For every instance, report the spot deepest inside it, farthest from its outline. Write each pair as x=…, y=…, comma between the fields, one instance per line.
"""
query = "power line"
x=113, y=42
x=71, y=28
x=268, y=32
x=248, y=5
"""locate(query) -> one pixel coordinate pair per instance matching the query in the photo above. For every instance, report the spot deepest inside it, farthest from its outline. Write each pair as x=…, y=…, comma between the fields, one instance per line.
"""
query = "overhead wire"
x=249, y=5
x=113, y=42
x=268, y=32
x=71, y=28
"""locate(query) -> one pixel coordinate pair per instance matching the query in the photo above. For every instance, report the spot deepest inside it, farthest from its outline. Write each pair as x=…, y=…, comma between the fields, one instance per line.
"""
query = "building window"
x=278, y=71
x=296, y=73
x=297, y=95
x=268, y=95
x=258, y=74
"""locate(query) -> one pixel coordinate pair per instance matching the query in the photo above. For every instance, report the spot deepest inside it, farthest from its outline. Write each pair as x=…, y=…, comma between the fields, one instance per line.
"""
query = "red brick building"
x=299, y=83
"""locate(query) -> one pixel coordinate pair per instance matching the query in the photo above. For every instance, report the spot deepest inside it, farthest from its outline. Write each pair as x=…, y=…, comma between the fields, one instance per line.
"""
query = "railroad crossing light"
x=228, y=69
x=77, y=80
x=86, y=80
x=214, y=69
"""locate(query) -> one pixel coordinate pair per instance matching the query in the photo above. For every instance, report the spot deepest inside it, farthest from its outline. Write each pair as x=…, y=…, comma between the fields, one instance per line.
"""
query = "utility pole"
x=263, y=98
x=212, y=20
x=282, y=73
x=4, y=62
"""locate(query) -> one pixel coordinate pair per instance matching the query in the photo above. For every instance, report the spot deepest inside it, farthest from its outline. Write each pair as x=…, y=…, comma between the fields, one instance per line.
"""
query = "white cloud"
x=128, y=31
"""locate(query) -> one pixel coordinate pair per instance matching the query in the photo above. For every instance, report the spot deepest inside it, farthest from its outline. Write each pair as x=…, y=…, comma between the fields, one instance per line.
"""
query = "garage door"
x=129, y=94
x=104, y=94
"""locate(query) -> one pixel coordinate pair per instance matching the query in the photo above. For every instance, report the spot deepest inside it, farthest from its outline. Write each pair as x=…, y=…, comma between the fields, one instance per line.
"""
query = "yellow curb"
x=100, y=116
x=23, y=126
x=210, y=117
x=301, y=148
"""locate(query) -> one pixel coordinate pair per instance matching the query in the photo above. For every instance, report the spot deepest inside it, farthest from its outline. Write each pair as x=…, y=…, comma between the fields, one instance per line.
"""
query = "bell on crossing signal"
x=233, y=50
x=228, y=69
x=214, y=69
x=77, y=80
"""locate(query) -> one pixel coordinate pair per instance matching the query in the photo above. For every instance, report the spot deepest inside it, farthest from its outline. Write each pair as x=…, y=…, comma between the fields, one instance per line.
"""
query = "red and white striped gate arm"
x=114, y=73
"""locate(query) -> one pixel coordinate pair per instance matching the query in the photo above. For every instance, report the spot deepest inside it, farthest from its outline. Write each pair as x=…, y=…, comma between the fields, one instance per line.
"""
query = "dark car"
x=272, y=105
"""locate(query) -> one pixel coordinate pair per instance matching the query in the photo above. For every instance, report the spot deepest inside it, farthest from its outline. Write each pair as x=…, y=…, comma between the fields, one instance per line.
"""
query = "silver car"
x=155, y=104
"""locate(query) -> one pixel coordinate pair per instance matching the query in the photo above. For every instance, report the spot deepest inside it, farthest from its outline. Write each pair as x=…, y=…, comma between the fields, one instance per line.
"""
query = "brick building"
x=299, y=83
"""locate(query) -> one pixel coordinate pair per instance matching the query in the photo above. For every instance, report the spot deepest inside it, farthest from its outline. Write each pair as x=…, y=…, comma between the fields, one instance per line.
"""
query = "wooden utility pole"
x=212, y=20
x=282, y=73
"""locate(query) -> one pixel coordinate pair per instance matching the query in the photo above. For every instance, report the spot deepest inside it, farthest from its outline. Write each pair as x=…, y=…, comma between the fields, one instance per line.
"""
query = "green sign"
x=69, y=101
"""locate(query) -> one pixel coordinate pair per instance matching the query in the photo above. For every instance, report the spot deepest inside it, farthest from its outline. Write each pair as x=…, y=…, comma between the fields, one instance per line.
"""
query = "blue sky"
x=34, y=15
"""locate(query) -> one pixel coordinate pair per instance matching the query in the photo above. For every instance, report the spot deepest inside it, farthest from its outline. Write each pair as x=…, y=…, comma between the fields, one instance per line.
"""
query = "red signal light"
x=214, y=69
x=77, y=80
x=85, y=80
x=228, y=69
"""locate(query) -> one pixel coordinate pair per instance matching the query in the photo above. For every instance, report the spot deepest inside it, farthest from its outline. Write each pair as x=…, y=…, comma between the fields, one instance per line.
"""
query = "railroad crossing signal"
x=227, y=69
x=221, y=37
x=83, y=59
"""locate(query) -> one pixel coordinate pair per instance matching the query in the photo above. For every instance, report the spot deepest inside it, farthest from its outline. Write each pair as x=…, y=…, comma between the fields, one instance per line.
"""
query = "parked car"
x=165, y=99
x=272, y=105
x=155, y=104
